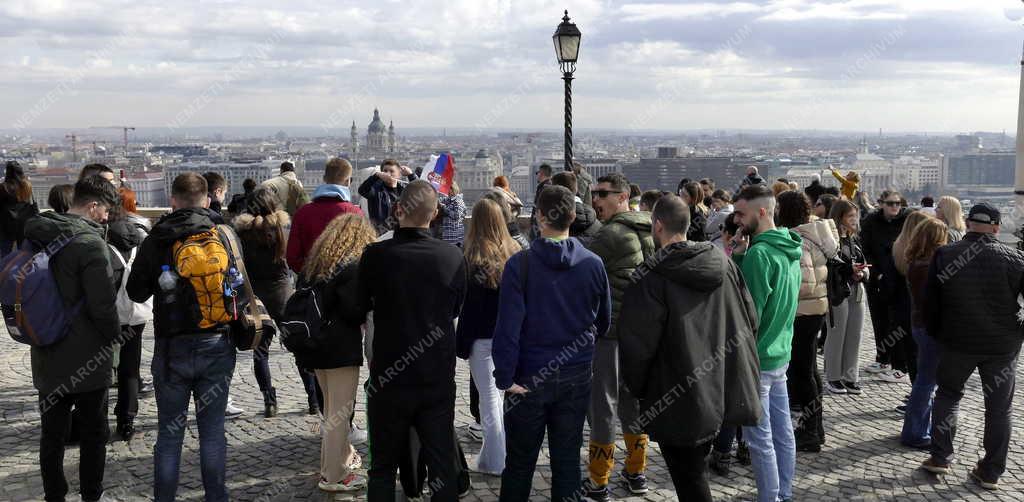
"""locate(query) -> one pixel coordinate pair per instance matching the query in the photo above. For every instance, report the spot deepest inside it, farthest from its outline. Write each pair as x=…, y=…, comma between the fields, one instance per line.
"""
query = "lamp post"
x=567, y=47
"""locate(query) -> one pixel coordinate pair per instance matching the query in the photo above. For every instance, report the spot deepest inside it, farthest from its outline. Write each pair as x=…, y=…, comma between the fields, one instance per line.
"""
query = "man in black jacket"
x=74, y=371
x=382, y=190
x=973, y=312
x=187, y=361
x=415, y=285
x=878, y=232
x=688, y=347
x=586, y=224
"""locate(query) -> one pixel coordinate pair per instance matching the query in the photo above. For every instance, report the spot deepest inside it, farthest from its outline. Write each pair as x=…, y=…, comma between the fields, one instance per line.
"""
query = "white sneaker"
x=350, y=484
x=356, y=435
x=476, y=431
x=877, y=368
x=231, y=411
x=894, y=376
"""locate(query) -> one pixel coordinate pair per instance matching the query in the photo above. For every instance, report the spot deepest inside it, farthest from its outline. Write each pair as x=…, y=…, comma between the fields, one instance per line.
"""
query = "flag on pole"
x=440, y=172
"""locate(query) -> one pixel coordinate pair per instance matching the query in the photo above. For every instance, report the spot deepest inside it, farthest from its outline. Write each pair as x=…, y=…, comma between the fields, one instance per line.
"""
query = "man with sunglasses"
x=879, y=231
x=623, y=243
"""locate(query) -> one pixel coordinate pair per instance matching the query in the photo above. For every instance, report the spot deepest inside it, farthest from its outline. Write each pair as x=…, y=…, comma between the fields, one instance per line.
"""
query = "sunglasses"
x=891, y=203
x=604, y=193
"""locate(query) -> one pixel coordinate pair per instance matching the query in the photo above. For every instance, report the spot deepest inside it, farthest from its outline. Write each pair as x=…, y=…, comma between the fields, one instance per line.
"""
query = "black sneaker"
x=126, y=430
x=720, y=463
x=637, y=483
x=901, y=409
x=145, y=388
x=596, y=493
x=852, y=388
x=743, y=453
x=835, y=387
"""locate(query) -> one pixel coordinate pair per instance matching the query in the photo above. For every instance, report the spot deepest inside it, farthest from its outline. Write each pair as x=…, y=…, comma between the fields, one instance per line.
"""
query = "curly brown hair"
x=342, y=242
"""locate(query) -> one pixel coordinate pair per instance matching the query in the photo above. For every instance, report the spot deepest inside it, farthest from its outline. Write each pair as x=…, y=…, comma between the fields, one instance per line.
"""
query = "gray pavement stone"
x=278, y=459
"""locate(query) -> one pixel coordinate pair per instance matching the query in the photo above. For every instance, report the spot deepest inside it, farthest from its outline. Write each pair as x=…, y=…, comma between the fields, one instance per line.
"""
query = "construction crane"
x=125, y=130
x=74, y=146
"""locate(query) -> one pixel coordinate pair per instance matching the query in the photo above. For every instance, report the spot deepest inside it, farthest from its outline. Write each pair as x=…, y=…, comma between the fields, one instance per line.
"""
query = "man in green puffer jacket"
x=623, y=243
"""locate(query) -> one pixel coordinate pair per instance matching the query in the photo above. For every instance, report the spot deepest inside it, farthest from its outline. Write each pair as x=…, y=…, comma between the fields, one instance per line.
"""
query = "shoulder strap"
x=115, y=252
x=236, y=253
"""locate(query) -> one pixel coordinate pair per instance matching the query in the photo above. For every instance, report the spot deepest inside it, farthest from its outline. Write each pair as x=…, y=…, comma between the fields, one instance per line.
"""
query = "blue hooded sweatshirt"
x=568, y=305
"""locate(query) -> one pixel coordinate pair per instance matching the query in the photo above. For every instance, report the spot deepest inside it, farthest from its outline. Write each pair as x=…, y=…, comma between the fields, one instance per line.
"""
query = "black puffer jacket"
x=267, y=274
x=81, y=361
x=124, y=234
x=341, y=343
x=688, y=344
x=586, y=224
x=971, y=296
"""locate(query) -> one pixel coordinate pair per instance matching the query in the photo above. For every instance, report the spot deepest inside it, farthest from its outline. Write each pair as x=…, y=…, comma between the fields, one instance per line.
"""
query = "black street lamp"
x=567, y=48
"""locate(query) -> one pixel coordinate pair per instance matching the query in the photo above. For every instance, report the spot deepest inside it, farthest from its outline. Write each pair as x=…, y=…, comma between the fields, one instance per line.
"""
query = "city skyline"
x=778, y=65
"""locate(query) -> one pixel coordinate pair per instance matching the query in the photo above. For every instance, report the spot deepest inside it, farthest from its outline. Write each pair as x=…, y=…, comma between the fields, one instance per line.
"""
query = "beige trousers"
x=339, y=387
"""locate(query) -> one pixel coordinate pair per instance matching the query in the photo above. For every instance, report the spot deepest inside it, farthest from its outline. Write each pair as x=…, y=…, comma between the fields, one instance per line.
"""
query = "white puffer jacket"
x=820, y=242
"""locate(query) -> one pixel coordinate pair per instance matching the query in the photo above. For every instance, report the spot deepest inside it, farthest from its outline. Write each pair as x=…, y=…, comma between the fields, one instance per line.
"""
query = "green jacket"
x=623, y=243
x=771, y=269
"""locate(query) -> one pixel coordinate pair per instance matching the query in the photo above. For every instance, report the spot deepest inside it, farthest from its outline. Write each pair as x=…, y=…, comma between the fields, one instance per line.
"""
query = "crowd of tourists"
x=693, y=320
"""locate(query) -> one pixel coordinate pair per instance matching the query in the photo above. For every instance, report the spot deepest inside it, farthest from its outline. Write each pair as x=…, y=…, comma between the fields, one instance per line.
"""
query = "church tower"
x=392, y=143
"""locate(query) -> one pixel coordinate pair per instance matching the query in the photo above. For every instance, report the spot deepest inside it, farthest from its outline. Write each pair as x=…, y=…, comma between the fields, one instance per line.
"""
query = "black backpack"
x=303, y=319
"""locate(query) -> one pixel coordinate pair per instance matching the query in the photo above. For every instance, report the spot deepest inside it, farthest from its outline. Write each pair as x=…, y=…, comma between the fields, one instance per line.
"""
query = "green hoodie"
x=771, y=269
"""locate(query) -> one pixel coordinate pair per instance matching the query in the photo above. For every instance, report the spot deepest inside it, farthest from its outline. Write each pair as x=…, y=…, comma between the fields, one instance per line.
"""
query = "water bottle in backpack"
x=168, y=281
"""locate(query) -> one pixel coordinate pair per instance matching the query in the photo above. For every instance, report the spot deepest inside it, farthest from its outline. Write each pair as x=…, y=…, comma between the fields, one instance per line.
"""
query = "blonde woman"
x=488, y=247
x=332, y=268
x=899, y=247
x=929, y=236
x=950, y=212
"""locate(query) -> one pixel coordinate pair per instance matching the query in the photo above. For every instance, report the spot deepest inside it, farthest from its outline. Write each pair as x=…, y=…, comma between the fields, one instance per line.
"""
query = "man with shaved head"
x=415, y=285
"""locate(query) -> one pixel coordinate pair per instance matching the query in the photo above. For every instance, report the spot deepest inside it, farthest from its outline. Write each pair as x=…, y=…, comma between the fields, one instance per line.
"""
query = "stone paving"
x=278, y=459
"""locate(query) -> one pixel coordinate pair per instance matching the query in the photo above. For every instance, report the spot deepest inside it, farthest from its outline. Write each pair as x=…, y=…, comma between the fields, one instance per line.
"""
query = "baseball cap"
x=985, y=213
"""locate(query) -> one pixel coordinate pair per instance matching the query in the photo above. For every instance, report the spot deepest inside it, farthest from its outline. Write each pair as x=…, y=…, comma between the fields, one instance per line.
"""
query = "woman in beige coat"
x=820, y=242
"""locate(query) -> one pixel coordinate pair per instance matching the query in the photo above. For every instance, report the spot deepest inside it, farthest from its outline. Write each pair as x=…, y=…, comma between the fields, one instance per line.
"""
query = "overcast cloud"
x=918, y=65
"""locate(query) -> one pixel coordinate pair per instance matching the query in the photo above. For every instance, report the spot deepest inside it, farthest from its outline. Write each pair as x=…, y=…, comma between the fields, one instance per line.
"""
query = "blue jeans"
x=771, y=442
x=917, y=421
x=558, y=404
x=187, y=367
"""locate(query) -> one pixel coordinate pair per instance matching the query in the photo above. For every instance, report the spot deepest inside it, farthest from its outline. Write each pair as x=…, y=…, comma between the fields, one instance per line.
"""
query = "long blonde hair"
x=488, y=243
x=899, y=247
x=951, y=212
x=928, y=236
x=342, y=242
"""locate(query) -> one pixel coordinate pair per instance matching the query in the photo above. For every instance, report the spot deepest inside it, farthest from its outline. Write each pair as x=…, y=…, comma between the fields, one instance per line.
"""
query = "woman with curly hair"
x=332, y=268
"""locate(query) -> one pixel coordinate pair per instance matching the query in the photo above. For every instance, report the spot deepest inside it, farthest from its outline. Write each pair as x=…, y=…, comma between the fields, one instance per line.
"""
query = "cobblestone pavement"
x=278, y=459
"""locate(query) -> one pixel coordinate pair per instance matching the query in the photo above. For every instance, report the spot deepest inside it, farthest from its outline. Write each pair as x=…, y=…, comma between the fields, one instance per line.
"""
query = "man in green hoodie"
x=623, y=243
x=769, y=258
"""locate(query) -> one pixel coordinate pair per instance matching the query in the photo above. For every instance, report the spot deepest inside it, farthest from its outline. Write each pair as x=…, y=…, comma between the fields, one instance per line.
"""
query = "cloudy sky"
x=909, y=65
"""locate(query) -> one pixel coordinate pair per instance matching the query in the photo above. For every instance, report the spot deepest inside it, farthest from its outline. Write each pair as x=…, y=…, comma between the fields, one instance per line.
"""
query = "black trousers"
x=55, y=411
x=430, y=411
x=474, y=400
x=880, y=323
x=128, y=381
x=804, y=379
x=998, y=385
x=687, y=467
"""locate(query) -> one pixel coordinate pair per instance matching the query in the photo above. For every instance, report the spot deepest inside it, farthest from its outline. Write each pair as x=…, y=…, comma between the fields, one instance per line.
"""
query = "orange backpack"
x=203, y=261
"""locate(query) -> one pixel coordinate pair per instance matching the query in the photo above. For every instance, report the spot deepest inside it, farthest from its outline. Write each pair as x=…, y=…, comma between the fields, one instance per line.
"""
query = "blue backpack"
x=33, y=309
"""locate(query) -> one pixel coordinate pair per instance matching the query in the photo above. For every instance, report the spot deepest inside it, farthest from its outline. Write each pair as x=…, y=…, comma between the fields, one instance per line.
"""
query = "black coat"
x=688, y=344
x=415, y=286
x=586, y=224
x=81, y=361
x=814, y=190
x=341, y=341
x=267, y=274
x=877, y=235
x=971, y=296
